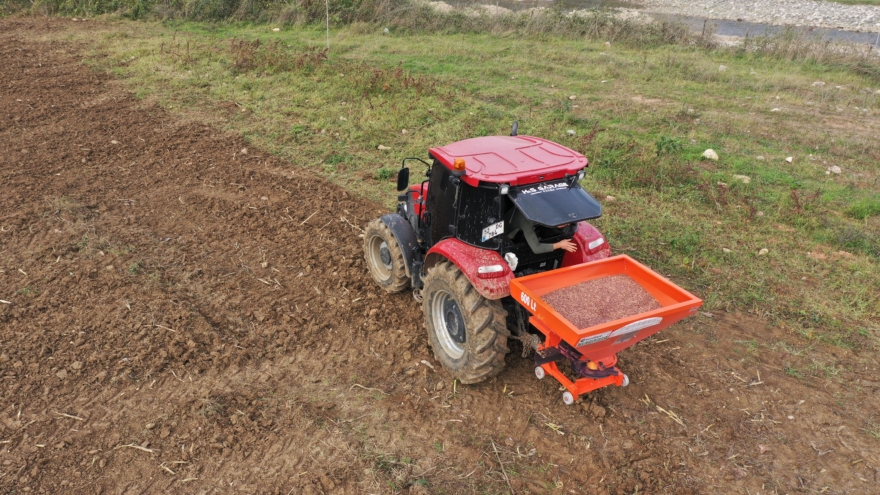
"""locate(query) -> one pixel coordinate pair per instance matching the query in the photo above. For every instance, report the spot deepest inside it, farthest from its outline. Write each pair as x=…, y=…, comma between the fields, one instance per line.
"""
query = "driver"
x=520, y=222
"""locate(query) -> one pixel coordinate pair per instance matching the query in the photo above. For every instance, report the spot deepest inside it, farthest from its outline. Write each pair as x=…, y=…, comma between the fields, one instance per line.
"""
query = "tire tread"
x=487, y=329
x=398, y=281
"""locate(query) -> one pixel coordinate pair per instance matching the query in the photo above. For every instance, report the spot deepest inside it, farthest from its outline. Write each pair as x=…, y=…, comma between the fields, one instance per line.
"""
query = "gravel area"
x=778, y=12
x=599, y=300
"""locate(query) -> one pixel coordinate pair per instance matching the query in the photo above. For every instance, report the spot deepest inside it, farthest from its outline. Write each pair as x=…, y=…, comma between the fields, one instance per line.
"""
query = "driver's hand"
x=566, y=244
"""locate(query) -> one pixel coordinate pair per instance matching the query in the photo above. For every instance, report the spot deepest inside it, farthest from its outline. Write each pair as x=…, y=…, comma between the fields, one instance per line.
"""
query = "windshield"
x=555, y=203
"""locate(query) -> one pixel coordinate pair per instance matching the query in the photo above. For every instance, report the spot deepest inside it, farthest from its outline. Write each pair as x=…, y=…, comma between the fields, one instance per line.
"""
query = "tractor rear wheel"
x=467, y=331
x=384, y=257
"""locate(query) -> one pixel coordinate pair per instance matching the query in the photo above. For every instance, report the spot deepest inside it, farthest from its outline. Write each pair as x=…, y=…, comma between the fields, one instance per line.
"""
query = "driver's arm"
x=528, y=229
x=537, y=246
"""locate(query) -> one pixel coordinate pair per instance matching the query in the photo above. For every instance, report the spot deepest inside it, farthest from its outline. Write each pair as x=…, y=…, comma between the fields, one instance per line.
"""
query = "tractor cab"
x=454, y=240
x=476, y=187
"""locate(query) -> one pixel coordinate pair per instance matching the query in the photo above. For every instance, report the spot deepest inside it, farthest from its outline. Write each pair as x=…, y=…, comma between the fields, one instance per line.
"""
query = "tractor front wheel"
x=467, y=331
x=384, y=257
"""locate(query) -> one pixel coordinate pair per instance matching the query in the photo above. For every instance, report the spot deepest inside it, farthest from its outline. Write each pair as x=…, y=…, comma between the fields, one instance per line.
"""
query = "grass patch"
x=643, y=112
x=793, y=372
x=864, y=208
x=385, y=174
x=135, y=268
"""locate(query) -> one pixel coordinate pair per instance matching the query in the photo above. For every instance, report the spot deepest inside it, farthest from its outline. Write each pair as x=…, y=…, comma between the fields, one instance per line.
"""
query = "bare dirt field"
x=183, y=313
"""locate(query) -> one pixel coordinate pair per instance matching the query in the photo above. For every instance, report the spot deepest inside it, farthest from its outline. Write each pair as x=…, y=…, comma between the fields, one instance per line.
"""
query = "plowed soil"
x=183, y=313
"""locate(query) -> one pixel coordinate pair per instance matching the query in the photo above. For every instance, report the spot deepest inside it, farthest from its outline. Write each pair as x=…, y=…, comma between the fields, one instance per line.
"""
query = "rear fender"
x=469, y=259
x=586, y=234
x=406, y=238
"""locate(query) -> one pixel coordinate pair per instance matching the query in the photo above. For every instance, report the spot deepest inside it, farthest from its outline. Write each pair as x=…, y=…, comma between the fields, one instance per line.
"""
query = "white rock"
x=710, y=154
x=763, y=251
x=610, y=199
x=726, y=251
x=789, y=159
x=607, y=43
x=385, y=31
x=404, y=131
x=775, y=110
x=570, y=132
x=760, y=213
x=722, y=68
x=572, y=97
x=818, y=83
x=114, y=142
x=343, y=119
x=243, y=151
x=276, y=29
x=744, y=178
x=834, y=169
x=760, y=158
x=380, y=147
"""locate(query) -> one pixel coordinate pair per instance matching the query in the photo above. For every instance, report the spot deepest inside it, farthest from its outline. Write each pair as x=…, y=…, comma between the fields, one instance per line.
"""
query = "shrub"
x=667, y=145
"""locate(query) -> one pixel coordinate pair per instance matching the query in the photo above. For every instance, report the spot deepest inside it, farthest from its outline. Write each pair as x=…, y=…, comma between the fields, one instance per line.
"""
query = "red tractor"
x=451, y=242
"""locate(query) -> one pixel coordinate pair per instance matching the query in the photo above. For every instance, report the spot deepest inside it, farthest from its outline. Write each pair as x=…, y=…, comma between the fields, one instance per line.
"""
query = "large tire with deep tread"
x=480, y=353
x=389, y=273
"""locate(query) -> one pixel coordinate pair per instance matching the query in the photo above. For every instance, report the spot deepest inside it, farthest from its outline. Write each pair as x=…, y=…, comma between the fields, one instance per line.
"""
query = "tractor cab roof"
x=514, y=160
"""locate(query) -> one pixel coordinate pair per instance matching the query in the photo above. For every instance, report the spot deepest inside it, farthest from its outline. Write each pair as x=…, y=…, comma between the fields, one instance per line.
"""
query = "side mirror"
x=402, y=178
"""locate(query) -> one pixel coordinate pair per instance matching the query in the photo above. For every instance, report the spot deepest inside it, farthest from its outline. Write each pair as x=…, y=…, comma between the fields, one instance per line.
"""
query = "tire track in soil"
x=168, y=292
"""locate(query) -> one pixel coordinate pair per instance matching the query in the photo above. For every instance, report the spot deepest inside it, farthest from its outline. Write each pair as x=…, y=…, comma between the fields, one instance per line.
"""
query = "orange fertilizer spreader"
x=592, y=351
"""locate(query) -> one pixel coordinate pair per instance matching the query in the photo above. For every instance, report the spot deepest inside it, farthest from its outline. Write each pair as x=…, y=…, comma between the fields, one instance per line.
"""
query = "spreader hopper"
x=616, y=301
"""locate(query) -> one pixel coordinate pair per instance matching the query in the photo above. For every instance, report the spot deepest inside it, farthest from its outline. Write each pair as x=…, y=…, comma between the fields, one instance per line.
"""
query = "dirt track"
x=186, y=316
